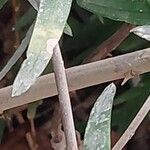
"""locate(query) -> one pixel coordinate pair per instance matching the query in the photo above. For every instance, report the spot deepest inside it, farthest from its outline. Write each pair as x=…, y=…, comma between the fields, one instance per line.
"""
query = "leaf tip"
x=142, y=31
x=17, y=91
x=112, y=86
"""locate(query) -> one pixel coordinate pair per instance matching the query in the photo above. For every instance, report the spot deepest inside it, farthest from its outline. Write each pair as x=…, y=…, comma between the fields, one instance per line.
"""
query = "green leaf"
x=31, y=111
x=132, y=43
x=97, y=134
x=131, y=11
x=128, y=104
x=50, y=23
x=148, y=1
x=26, y=19
x=2, y=3
x=86, y=37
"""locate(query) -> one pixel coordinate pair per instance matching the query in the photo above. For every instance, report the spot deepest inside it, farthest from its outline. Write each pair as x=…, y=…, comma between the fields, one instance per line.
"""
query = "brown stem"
x=56, y=123
x=20, y=118
x=30, y=141
x=64, y=99
x=33, y=132
x=8, y=119
x=110, y=44
x=30, y=137
x=133, y=126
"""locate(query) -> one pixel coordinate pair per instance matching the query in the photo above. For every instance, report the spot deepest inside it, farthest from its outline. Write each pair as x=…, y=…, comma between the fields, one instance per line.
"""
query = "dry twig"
x=64, y=99
x=133, y=126
x=110, y=44
x=55, y=123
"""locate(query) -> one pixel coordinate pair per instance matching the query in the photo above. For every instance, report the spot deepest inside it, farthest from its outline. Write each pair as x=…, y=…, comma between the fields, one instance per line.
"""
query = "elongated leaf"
x=131, y=11
x=26, y=19
x=2, y=3
x=97, y=135
x=142, y=31
x=21, y=49
x=67, y=29
x=50, y=23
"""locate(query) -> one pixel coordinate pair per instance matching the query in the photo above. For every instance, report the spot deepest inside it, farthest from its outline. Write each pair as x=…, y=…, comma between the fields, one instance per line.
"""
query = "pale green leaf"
x=21, y=49
x=142, y=31
x=50, y=23
x=97, y=134
x=67, y=30
x=35, y=3
x=31, y=110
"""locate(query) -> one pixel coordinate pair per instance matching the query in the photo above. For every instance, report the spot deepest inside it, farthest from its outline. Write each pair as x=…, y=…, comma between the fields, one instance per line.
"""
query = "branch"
x=64, y=99
x=133, y=126
x=80, y=77
x=110, y=44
